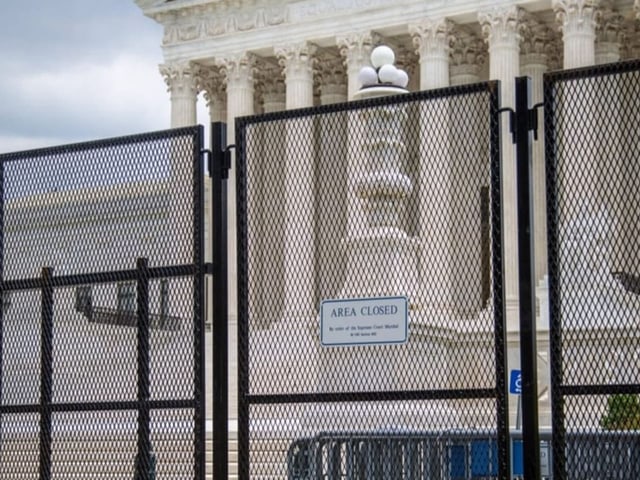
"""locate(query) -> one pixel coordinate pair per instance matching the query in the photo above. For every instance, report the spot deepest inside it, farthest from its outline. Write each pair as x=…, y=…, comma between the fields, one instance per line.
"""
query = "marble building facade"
x=260, y=56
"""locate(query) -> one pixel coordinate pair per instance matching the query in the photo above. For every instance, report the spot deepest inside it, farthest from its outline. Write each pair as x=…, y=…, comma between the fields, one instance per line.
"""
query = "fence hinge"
x=532, y=121
x=223, y=156
x=226, y=161
x=206, y=153
x=512, y=122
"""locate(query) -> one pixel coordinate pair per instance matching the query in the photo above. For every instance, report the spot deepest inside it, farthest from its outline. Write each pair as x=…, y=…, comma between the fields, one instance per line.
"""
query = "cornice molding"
x=212, y=20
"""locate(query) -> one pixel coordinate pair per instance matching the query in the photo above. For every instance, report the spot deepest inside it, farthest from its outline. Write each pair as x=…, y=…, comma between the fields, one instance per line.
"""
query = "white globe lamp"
x=382, y=55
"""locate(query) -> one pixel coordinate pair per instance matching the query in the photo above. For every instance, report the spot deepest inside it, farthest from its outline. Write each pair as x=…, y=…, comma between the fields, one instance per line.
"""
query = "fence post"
x=526, y=279
x=219, y=171
x=46, y=375
x=144, y=433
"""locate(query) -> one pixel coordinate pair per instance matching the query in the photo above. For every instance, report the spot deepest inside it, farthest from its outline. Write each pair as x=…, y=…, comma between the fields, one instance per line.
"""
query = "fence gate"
x=101, y=351
x=593, y=174
x=372, y=339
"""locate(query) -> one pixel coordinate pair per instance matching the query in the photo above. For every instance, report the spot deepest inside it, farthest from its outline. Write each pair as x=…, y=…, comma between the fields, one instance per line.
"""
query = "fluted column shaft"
x=238, y=72
x=609, y=37
x=211, y=82
x=500, y=27
x=181, y=83
x=467, y=54
x=299, y=262
x=578, y=22
x=297, y=62
x=356, y=49
x=535, y=66
x=435, y=209
x=431, y=37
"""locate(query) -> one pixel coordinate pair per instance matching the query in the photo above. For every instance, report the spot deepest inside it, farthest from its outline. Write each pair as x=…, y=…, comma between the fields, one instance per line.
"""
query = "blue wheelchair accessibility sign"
x=515, y=383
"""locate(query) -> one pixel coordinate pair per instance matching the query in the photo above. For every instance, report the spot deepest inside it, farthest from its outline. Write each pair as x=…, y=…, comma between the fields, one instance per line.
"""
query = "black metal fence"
x=593, y=175
x=101, y=325
x=370, y=280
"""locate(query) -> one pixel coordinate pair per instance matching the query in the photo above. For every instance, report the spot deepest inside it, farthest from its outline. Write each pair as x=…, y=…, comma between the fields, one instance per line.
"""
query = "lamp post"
x=382, y=259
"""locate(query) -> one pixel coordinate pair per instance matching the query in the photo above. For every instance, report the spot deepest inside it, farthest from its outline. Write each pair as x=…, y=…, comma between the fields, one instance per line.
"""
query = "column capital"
x=501, y=24
x=269, y=87
x=631, y=43
x=180, y=78
x=210, y=80
x=431, y=37
x=466, y=48
x=331, y=79
x=610, y=25
x=330, y=70
x=237, y=68
x=576, y=16
x=406, y=58
x=296, y=59
x=356, y=48
x=269, y=79
x=610, y=34
x=539, y=43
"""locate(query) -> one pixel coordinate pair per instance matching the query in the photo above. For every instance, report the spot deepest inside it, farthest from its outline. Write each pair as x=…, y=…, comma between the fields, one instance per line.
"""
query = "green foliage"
x=623, y=413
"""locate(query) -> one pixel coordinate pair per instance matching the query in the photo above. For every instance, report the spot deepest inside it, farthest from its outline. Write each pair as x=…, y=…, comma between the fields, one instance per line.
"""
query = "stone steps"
x=96, y=457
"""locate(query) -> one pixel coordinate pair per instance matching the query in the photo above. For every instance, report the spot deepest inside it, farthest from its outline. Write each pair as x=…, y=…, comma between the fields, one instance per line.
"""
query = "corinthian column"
x=297, y=62
x=467, y=53
x=272, y=88
x=431, y=38
x=238, y=73
x=181, y=83
x=608, y=36
x=331, y=78
x=500, y=27
x=299, y=262
x=356, y=49
x=211, y=82
x=578, y=22
x=537, y=47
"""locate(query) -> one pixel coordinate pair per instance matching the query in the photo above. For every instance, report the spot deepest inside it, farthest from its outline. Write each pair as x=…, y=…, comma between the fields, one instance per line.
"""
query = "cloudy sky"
x=76, y=70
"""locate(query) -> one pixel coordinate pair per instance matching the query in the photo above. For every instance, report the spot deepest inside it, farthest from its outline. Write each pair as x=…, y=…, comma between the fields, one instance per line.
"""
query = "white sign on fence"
x=363, y=321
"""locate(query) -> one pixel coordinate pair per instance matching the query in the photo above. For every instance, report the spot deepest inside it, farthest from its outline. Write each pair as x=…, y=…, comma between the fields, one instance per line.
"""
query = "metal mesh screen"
x=395, y=200
x=593, y=177
x=101, y=349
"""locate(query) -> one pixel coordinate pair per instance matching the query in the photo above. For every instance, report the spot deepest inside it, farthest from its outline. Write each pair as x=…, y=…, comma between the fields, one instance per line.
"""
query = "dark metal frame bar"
x=46, y=373
x=218, y=170
x=246, y=399
x=144, y=433
x=526, y=280
x=199, y=363
x=559, y=391
x=497, y=273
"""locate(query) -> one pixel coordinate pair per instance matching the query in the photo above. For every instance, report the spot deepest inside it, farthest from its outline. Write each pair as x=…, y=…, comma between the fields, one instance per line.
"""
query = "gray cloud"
x=77, y=70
